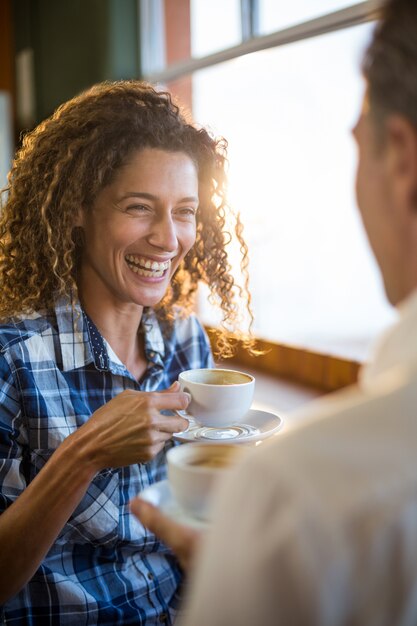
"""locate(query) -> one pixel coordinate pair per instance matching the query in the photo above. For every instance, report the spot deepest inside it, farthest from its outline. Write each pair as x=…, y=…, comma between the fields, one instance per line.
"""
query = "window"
x=275, y=15
x=287, y=110
x=215, y=25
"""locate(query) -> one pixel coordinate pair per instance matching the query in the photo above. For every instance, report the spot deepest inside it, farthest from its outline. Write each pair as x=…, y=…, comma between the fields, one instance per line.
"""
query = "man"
x=319, y=527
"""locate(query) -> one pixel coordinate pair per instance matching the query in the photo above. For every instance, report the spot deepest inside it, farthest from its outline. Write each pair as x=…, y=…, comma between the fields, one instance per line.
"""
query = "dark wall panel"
x=76, y=43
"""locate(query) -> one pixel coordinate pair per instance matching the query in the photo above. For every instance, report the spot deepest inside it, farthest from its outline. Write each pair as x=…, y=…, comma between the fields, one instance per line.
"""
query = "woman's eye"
x=137, y=208
x=187, y=211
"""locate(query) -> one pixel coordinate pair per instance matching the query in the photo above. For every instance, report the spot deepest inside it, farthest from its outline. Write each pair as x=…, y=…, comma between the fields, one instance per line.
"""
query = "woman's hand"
x=183, y=540
x=130, y=428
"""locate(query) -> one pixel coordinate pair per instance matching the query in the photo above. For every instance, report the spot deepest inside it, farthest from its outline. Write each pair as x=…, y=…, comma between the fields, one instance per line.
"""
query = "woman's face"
x=139, y=229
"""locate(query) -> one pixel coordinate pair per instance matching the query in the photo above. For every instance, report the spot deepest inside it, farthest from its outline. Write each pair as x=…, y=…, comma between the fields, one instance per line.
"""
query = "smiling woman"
x=115, y=212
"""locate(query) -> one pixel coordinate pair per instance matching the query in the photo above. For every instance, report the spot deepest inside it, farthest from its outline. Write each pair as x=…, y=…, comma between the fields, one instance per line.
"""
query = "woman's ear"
x=79, y=218
x=78, y=236
x=78, y=228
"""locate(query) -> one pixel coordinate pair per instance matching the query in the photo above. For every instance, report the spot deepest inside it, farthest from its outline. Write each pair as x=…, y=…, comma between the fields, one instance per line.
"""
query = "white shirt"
x=319, y=525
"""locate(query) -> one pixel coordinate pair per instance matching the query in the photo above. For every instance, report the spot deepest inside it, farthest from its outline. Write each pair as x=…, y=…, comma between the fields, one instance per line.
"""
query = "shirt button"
x=151, y=354
x=163, y=618
x=150, y=576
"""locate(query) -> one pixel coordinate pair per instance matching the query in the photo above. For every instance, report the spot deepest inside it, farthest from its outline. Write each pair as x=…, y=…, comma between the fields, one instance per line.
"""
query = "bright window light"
x=215, y=24
x=287, y=114
x=275, y=15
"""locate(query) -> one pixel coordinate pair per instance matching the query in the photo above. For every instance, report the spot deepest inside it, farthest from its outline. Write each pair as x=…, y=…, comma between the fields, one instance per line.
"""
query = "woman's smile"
x=148, y=268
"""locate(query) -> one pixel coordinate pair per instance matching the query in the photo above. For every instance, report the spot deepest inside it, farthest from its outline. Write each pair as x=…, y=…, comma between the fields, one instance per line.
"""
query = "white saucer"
x=255, y=426
x=160, y=495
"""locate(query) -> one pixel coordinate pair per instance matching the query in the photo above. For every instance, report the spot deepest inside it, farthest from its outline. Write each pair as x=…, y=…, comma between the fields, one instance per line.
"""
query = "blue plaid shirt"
x=104, y=567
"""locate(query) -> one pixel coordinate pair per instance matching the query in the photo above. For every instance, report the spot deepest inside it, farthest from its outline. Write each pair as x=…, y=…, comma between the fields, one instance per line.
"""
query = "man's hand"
x=184, y=541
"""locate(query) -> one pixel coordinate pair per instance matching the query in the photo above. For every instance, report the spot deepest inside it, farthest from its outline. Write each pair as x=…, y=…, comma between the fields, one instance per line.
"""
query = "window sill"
x=322, y=372
x=276, y=394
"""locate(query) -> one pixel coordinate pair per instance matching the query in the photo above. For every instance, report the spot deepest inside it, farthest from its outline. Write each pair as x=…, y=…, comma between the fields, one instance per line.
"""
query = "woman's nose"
x=164, y=234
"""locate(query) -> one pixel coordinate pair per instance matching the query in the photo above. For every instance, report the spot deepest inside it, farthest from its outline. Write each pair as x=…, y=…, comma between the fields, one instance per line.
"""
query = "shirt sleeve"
x=13, y=438
x=252, y=568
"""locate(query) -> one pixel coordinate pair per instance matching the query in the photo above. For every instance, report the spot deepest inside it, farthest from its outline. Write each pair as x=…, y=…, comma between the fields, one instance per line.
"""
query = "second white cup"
x=194, y=469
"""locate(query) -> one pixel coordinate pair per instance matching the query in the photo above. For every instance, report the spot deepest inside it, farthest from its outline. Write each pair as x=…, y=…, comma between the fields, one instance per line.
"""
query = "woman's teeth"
x=146, y=267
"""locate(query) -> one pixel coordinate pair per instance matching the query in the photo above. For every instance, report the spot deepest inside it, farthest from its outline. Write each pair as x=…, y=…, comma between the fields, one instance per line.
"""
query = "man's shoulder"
x=345, y=449
x=321, y=504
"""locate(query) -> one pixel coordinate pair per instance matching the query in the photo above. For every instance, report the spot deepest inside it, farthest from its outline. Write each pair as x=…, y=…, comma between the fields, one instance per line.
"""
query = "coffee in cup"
x=193, y=471
x=219, y=397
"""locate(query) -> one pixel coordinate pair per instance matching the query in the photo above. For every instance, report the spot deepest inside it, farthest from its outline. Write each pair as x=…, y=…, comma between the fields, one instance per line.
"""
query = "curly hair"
x=65, y=162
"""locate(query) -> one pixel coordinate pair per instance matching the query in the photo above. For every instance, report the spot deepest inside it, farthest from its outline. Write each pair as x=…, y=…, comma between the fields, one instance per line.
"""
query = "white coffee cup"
x=193, y=471
x=219, y=397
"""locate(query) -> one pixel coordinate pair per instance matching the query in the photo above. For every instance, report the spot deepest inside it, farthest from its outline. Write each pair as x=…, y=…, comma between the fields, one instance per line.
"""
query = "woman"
x=115, y=211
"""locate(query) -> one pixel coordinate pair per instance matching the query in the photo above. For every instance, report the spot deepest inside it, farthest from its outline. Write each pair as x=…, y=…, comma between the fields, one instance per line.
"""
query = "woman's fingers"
x=172, y=401
x=175, y=386
x=171, y=424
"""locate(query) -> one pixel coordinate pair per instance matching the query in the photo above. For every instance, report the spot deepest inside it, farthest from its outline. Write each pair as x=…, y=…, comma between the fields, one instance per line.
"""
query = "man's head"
x=387, y=139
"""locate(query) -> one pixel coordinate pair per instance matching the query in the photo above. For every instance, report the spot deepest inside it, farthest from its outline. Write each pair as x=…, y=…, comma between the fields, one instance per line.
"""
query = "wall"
x=6, y=47
x=74, y=44
x=178, y=46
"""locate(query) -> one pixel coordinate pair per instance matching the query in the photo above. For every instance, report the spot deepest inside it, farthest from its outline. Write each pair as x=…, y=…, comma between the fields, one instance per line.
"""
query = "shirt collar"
x=397, y=346
x=154, y=341
x=76, y=349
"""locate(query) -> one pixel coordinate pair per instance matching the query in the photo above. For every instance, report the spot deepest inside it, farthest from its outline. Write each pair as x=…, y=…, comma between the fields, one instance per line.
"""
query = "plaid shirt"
x=104, y=567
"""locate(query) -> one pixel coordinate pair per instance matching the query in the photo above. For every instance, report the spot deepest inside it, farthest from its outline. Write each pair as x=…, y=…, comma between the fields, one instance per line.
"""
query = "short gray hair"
x=390, y=62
